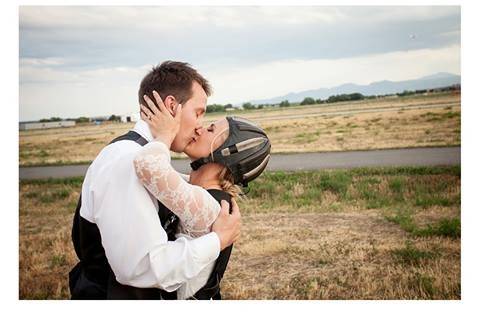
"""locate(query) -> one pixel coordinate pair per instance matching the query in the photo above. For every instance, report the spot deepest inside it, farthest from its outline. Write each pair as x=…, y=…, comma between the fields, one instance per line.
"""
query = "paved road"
x=301, y=161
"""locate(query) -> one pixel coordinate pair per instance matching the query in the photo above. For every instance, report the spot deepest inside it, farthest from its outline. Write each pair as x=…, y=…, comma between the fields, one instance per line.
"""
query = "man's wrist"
x=220, y=242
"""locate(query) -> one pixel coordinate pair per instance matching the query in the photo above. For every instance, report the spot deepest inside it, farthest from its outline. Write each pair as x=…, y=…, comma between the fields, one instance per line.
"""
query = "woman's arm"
x=195, y=207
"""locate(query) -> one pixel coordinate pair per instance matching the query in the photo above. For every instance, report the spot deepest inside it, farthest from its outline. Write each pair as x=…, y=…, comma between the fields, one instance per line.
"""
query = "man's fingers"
x=153, y=107
x=161, y=105
x=225, y=207
x=178, y=111
x=146, y=111
x=143, y=116
x=235, y=209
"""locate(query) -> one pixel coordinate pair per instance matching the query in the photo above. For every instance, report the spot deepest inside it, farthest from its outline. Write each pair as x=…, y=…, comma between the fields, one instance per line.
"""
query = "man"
x=117, y=231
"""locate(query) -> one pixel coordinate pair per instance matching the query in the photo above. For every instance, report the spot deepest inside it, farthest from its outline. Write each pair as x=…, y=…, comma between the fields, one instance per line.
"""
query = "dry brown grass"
x=439, y=126
x=46, y=252
x=336, y=256
x=304, y=236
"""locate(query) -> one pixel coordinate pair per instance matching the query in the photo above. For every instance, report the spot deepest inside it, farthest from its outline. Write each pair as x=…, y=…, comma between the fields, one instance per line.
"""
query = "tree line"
x=113, y=118
x=285, y=103
x=305, y=101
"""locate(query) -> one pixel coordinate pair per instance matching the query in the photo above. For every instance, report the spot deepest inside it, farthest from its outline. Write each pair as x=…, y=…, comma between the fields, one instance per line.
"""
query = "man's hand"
x=227, y=226
x=163, y=125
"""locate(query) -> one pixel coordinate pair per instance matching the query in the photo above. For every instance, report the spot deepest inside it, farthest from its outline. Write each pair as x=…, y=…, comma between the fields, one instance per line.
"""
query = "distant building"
x=133, y=117
x=45, y=125
x=98, y=120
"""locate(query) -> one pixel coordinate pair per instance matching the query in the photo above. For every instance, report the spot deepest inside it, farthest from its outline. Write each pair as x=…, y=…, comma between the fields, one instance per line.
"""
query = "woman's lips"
x=192, y=140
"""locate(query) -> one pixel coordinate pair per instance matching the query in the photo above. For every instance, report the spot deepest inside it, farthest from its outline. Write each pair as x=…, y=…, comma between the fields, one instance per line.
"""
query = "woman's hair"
x=226, y=183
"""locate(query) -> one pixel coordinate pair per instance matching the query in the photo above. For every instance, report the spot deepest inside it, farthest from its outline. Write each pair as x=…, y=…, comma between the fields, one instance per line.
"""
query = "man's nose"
x=199, y=130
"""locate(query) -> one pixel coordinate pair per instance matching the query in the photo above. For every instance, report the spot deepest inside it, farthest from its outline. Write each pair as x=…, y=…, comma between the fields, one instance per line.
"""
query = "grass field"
x=377, y=233
x=371, y=124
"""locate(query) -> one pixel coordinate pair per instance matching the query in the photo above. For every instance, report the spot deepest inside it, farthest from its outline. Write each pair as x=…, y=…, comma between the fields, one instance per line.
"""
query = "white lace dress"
x=196, y=209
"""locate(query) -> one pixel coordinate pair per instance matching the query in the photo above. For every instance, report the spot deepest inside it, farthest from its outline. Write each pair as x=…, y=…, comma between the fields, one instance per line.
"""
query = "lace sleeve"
x=194, y=206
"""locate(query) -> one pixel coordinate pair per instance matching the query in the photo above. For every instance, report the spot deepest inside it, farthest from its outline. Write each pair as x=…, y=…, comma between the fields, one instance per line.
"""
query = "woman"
x=229, y=152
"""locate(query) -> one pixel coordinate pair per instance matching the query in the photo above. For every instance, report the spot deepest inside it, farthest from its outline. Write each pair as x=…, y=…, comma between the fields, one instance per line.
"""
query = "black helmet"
x=245, y=152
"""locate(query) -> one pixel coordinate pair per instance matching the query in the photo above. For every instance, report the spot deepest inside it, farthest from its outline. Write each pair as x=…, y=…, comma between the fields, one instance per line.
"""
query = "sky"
x=89, y=61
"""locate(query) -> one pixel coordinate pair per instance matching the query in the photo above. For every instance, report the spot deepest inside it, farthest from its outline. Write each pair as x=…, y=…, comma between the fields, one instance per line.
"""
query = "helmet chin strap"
x=195, y=165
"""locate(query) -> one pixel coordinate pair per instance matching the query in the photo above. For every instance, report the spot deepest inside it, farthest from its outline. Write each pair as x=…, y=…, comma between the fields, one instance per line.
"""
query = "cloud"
x=107, y=91
x=89, y=60
x=51, y=61
x=173, y=17
x=241, y=84
x=112, y=36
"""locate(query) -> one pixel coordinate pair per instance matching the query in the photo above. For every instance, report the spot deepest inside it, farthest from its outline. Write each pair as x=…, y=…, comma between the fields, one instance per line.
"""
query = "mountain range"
x=441, y=79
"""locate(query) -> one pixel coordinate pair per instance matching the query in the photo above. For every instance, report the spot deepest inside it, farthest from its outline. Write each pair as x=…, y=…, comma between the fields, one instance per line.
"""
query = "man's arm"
x=169, y=265
x=137, y=247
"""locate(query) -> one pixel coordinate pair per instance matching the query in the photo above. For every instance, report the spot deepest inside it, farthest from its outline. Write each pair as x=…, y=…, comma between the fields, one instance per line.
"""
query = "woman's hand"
x=163, y=125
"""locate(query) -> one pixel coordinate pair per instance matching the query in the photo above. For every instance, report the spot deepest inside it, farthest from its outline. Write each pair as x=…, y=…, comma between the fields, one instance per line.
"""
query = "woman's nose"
x=199, y=131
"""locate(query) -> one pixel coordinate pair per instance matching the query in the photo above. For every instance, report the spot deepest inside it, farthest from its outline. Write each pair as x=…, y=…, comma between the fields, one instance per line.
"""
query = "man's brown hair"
x=171, y=78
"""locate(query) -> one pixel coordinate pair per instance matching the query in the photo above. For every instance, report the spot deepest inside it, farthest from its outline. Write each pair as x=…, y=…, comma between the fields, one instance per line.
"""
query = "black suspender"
x=133, y=136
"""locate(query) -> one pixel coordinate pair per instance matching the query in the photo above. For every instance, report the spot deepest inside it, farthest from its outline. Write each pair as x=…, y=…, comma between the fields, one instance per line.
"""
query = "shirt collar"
x=141, y=127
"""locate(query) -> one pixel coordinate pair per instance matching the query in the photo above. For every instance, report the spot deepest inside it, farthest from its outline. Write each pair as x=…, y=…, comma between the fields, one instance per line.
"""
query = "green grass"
x=423, y=247
x=445, y=227
x=365, y=188
x=403, y=218
x=398, y=192
x=397, y=185
x=73, y=181
x=55, y=163
x=368, y=189
x=58, y=260
x=305, y=137
x=54, y=195
x=424, y=284
x=410, y=255
x=392, y=187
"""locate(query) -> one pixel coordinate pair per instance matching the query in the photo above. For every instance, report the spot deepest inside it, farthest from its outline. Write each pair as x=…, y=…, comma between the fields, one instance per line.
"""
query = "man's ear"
x=170, y=103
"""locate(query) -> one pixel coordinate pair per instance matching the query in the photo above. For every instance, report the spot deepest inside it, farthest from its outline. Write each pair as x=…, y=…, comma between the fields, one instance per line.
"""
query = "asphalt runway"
x=299, y=161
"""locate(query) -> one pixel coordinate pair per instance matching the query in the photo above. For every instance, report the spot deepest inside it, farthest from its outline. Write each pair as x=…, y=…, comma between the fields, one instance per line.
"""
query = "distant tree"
x=356, y=96
x=52, y=119
x=248, y=106
x=307, y=100
x=82, y=120
x=215, y=108
x=115, y=118
x=405, y=93
x=284, y=103
x=228, y=105
x=346, y=97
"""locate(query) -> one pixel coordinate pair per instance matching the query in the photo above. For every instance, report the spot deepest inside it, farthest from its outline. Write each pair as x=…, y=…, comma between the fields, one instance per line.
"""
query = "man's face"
x=192, y=116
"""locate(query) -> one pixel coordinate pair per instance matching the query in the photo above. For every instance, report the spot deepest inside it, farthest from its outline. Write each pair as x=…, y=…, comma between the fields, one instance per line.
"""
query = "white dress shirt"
x=126, y=215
